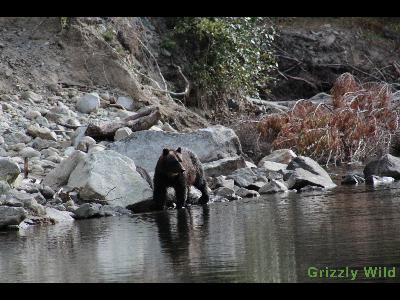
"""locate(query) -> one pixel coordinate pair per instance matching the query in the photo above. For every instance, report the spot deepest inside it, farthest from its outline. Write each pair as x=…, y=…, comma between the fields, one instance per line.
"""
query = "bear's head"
x=172, y=161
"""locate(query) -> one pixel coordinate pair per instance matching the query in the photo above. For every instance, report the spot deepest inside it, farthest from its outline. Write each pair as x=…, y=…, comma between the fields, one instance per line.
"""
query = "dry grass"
x=358, y=124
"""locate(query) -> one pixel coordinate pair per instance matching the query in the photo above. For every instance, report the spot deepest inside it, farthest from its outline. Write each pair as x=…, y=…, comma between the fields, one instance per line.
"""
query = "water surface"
x=274, y=238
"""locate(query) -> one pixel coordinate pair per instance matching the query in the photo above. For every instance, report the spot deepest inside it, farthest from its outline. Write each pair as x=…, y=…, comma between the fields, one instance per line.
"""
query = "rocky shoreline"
x=73, y=176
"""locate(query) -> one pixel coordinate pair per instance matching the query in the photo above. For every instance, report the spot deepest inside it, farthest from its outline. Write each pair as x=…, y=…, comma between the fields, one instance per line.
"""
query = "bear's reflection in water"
x=181, y=234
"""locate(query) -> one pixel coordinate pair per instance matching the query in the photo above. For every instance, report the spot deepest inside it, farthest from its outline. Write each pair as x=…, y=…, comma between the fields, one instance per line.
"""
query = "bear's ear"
x=179, y=150
x=165, y=151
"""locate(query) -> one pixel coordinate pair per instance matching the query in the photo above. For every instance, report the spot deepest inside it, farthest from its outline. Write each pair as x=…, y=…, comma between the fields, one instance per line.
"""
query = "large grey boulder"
x=388, y=165
x=282, y=156
x=224, y=166
x=60, y=175
x=11, y=215
x=59, y=216
x=274, y=186
x=307, y=172
x=88, y=103
x=108, y=175
x=210, y=144
x=9, y=170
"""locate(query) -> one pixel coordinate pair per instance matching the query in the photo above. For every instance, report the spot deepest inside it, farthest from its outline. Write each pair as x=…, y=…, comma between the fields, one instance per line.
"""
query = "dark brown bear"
x=178, y=169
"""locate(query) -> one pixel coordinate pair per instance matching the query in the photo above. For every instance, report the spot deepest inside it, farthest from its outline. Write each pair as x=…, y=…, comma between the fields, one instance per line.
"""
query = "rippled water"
x=269, y=239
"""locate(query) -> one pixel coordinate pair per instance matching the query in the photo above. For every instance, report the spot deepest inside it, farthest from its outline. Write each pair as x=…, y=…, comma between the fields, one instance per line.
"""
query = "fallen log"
x=144, y=119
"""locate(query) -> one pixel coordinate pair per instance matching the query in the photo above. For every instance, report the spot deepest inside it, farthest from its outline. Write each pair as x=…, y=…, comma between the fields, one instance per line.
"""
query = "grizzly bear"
x=178, y=169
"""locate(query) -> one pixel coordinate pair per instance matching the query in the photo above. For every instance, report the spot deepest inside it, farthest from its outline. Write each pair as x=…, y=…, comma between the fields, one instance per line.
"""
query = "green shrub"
x=232, y=55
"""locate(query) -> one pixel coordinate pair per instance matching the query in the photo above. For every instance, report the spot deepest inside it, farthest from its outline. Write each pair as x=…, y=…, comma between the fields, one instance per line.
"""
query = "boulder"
x=11, y=215
x=122, y=133
x=108, y=175
x=221, y=181
x=60, y=175
x=126, y=102
x=89, y=210
x=29, y=152
x=9, y=170
x=212, y=143
x=245, y=193
x=307, y=164
x=274, y=186
x=88, y=103
x=282, y=156
x=59, y=216
x=224, y=166
x=42, y=132
x=388, y=165
x=301, y=178
x=352, y=179
x=243, y=177
x=375, y=180
x=84, y=143
x=273, y=166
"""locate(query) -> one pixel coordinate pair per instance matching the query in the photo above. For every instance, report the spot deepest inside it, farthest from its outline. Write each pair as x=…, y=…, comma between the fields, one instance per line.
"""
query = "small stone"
x=126, y=102
x=32, y=114
x=84, y=143
x=88, y=103
x=29, y=152
x=122, y=133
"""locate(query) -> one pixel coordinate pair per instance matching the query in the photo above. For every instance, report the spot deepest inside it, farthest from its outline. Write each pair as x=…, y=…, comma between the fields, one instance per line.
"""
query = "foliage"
x=108, y=35
x=231, y=54
x=359, y=123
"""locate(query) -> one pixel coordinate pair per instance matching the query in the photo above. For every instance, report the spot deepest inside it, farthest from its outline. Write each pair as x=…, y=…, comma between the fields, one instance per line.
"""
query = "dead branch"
x=143, y=120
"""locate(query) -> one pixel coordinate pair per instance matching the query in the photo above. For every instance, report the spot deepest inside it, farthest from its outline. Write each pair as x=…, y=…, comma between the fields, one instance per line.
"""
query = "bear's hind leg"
x=159, y=196
x=201, y=185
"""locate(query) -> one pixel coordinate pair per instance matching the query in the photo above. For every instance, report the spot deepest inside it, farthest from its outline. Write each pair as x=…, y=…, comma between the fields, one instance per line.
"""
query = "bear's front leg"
x=181, y=195
x=159, y=196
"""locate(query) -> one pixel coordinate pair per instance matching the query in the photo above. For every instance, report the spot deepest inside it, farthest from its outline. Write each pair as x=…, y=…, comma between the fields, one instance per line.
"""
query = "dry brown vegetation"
x=358, y=124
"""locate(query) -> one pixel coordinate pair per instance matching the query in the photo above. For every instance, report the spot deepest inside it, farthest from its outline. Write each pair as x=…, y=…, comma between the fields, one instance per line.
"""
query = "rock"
x=122, y=133
x=84, y=143
x=126, y=102
x=388, y=165
x=301, y=178
x=209, y=144
x=42, y=121
x=17, y=147
x=31, y=96
x=375, y=180
x=16, y=137
x=168, y=128
x=255, y=186
x=89, y=210
x=69, y=150
x=352, y=179
x=9, y=170
x=273, y=166
x=321, y=98
x=307, y=164
x=155, y=128
x=282, y=156
x=47, y=192
x=194, y=195
x=221, y=181
x=60, y=175
x=11, y=215
x=245, y=193
x=88, y=103
x=4, y=187
x=40, y=144
x=13, y=202
x=29, y=152
x=96, y=148
x=144, y=206
x=108, y=175
x=42, y=132
x=224, y=166
x=78, y=134
x=274, y=186
x=243, y=177
x=224, y=192
x=59, y=216
x=249, y=164
x=32, y=114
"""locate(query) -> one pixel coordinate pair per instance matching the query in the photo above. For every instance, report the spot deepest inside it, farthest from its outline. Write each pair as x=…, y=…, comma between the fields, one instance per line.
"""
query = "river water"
x=274, y=238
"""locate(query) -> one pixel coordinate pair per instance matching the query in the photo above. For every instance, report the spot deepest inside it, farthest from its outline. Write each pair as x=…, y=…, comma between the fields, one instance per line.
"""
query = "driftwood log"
x=144, y=119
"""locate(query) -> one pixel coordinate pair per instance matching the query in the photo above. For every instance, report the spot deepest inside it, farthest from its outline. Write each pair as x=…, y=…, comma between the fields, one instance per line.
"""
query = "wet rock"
x=11, y=215
x=243, y=177
x=388, y=165
x=60, y=175
x=223, y=166
x=122, y=133
x=352, y=179
x=221, y=181
x=282, y=156
x=224, y=192
x=306, y=171
x=89, y=210
x=108, y=175
x=126, y=102
x=245, y=193
x=9, y=170
x=375, y=180
x=212, y=143
x=88, y=103
x=274, y=186
x=59, y=216
x=255, y=186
